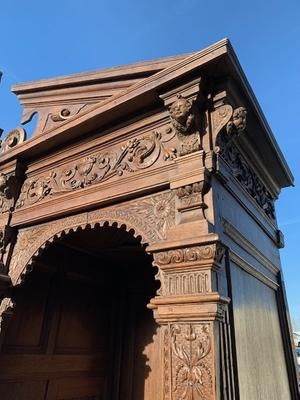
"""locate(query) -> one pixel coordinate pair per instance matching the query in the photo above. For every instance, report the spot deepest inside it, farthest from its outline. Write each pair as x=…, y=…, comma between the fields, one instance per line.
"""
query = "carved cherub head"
x=239, y=118
x=180, y=110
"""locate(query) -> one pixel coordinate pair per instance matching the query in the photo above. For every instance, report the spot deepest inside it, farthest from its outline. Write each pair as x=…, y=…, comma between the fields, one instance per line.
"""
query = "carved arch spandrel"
x=148, y=218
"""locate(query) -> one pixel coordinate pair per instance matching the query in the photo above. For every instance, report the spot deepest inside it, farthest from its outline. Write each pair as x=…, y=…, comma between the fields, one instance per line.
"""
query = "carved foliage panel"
x=246, y=176
x=188, y=361
x=135, y=155
x=149, y=217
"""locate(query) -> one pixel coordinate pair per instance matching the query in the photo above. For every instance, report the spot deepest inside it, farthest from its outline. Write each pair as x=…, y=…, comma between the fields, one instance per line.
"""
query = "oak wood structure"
x=138, y=242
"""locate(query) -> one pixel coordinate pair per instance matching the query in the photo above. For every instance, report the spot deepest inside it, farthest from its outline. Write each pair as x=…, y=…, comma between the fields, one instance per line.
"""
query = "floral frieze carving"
x=189, y=373
x=136, y=154
x=246, y=176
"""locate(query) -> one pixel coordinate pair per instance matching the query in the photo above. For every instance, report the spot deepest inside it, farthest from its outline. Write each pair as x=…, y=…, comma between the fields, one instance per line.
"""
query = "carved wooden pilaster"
x=192, y=314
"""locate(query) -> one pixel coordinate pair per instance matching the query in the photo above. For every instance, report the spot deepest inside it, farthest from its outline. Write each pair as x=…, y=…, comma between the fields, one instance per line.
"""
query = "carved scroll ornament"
x=179, y=272
x=136, y=154
x=189, y=373
x=247, y=177
x=203, y=253
x=13, y=138
x=234, y=120
x=183, y=118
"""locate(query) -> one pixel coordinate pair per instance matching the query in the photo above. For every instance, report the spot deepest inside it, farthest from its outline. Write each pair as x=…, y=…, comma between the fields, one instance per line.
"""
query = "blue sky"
x=46, y=39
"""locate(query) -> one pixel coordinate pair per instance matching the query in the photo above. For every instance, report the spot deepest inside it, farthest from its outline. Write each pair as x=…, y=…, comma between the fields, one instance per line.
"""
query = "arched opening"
x=81, y=329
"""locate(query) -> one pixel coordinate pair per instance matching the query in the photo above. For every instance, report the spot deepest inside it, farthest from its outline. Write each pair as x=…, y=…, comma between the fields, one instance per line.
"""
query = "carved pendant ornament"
x=136, y=154
x=188, y=362
x=183, y=118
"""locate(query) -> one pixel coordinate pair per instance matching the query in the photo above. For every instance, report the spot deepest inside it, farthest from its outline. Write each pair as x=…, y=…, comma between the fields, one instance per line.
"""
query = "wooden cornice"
x=145, y=93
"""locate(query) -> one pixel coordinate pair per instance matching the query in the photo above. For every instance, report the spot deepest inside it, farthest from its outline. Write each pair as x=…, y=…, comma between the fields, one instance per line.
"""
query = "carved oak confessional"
x=138, y=243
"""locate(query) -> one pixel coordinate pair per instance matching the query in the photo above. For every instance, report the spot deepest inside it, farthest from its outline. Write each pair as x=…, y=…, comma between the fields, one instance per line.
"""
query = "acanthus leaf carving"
x=136, y=154
x=191, y=361
x=246, y=176
x=192, y=196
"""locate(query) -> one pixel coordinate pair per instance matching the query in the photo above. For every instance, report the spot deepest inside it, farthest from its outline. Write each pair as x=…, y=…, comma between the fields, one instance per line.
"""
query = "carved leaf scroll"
x=136, y=154
x=246, y=176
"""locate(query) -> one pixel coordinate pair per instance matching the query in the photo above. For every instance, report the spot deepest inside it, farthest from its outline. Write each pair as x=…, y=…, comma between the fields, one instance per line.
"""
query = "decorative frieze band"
x=204, y=253
x=134, y=155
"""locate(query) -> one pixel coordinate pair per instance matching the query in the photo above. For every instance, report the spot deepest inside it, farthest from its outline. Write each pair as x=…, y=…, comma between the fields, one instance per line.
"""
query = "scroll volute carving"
x=12, y=139
x=188, y=270
x=183, y=105
x=228, y=120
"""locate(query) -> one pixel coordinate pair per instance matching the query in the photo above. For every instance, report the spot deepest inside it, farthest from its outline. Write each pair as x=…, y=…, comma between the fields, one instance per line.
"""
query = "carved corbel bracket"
x=226, y=119
x=11, y=179
x=184, y=105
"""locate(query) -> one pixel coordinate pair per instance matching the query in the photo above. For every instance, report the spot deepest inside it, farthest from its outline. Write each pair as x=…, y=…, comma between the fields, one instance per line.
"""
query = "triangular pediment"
x=58, y=99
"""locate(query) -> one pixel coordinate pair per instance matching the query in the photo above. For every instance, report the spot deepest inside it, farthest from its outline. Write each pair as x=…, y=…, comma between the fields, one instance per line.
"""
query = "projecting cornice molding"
x=145, y=93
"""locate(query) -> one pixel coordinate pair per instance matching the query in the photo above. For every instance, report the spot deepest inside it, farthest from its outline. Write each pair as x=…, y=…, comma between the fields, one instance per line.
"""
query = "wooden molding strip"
x=240, y=239
x=251, y=270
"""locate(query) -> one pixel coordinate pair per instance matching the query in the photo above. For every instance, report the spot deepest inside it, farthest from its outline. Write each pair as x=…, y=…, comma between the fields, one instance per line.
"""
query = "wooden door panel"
x=27, y=330
x=84, y=319
x=16, y=390
x=91, y=388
